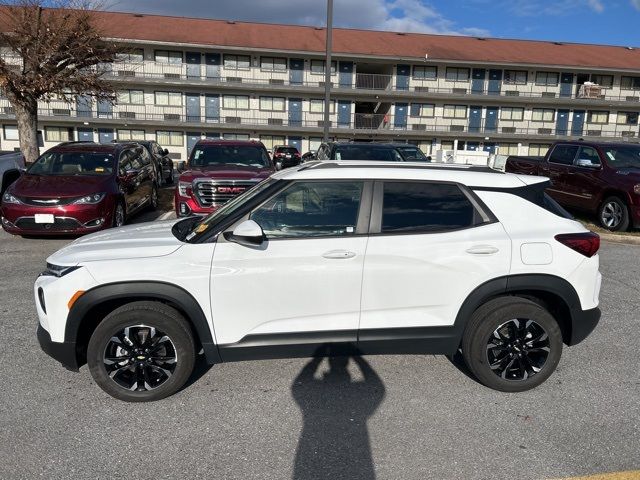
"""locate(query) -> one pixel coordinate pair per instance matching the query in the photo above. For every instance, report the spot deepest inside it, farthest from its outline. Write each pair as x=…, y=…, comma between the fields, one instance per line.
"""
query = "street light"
x=327, y=72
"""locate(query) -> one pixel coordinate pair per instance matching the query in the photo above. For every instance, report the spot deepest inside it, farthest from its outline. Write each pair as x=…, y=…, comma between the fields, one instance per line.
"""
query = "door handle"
x=338, y=254
x=482, y=250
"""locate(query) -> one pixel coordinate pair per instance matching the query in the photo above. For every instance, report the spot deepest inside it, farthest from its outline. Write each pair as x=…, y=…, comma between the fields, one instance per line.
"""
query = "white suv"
x=364, y=257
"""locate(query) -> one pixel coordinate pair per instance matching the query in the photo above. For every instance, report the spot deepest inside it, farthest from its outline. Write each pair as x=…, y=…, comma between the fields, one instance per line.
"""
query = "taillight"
x=587, y=243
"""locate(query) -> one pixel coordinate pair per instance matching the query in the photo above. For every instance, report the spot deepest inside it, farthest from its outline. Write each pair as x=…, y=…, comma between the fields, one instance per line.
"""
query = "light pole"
x=327, y=72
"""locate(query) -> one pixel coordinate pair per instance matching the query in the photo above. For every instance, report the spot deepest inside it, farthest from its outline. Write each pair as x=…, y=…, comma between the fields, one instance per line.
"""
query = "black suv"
x=285, y=156
x=389, y=152
x=164, y=165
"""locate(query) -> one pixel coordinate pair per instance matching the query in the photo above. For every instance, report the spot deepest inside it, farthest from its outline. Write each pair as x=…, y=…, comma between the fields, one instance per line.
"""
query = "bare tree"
x=49, y=52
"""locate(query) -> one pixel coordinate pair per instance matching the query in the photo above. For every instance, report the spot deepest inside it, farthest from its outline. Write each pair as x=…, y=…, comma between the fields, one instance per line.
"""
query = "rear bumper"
x=583, y=322
x=64, y=352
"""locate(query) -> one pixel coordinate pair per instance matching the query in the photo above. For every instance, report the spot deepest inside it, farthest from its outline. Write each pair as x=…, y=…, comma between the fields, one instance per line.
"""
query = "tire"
x=613, y=214
x=153, y=200
x=141, y=377
x=119, y=215
x=171, y=179
x=517, y=365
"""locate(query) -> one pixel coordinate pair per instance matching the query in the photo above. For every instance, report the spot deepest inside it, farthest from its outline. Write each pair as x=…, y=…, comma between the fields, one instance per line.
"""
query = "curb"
x=624, y=239
x=166, y=216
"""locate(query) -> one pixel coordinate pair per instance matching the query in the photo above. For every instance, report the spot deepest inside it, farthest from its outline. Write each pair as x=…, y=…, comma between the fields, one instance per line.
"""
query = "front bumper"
x=64, y=352
x=583, y=322
x=69, y=220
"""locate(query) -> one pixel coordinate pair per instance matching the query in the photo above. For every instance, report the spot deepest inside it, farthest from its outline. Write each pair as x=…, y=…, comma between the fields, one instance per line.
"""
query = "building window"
x=271, y=141
x=236, y=136
x=630, y=83
x=627, y=118
x=237, y=62
x=511, y=113
x=603, y=80
x=314, y=143
x=172, y=99
x=166, y=137
x=598, y=116
x=235, y=102
x=128, y=134
x=135, y=55
x=272, y=104
x=273, y=64
x=538, y=149
x=168, y=56
x=317, y=106
x=317, y=67
x=425, y=73
x=543, y=114
x=515, y=77
x=457, y=74
x=11, y=132
x=446, y=145
x=57, y=134
x=508, y=149
x=423, y=110
x=547, y=78
x=455, y=111
x=133, y=97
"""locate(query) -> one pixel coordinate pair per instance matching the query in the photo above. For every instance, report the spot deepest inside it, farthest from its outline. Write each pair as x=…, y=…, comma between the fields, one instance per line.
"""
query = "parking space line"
x=628, y=475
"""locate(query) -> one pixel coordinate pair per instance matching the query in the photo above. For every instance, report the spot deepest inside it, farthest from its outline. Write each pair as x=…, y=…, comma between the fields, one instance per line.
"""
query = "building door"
x=84, y=106
x=105, y=109
x=400, y=117
x=562, y=123
x=478, y=78
x=192, y=139
x=491, y=120
x=402, y=77
x=345, y=77
x=475, y=119
x=578, y=123
x=212, y=62
x=566, y=84
x=193, y=107
x=212, y=108
x=296, y=142
x=295, y=112
x=105, y=135
x=212, y=136
x=344, y=113
x=296, y=71
x=193, y=64
x=489, y=147
x=473, y=146
x=495, y=82
x=85, y=134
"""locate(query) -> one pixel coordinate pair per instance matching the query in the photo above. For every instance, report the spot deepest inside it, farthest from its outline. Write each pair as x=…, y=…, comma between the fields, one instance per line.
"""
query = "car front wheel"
x=512, y=344
x=118, y=215
x=142, y=351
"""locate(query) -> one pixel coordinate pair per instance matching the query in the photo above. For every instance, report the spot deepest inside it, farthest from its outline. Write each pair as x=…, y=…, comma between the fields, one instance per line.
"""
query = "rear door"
x=430, y=246
x=560, y=166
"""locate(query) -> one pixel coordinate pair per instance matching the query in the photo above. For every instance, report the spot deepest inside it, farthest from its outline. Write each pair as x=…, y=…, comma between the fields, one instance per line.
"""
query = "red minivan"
x=80, y=187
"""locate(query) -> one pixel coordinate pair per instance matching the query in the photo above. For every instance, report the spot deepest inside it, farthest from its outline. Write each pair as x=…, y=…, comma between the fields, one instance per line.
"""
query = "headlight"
x=636, y=188
x=58, y=270
x=8, y=198
x=90, y=199
x=182, y=188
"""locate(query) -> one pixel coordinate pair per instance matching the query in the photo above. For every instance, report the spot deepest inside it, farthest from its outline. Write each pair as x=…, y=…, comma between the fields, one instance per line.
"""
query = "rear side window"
x=563, y=154
x=411, y=207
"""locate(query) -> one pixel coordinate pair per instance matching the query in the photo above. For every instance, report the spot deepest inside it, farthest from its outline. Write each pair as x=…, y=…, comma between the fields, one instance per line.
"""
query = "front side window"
x=415, y=207
x=311, y=209
x=590, y=154
x=564, y=154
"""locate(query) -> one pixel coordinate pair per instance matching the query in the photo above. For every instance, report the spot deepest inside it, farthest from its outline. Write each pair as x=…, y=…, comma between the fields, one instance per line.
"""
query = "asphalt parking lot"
x=415, y=417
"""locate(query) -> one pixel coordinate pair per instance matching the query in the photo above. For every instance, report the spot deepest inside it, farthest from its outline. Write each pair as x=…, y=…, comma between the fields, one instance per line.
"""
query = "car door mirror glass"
x=165, y=151
x=181, y=166
x=586, y=163
x=248, y=233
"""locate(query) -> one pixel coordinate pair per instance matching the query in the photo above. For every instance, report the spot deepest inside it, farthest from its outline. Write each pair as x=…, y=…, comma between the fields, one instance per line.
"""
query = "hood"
x=144, y=240
x=227, y=172
x=59, y=186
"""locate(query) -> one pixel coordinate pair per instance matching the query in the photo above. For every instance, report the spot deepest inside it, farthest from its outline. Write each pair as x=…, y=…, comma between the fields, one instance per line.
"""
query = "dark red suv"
x=80, y=187
x=217, y=171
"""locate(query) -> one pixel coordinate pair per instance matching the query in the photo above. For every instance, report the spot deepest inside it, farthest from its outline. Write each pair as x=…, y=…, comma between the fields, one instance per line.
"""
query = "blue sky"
x=589, y=21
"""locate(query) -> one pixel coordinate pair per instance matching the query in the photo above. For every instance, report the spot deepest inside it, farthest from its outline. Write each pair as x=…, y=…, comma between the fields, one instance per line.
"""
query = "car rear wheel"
x=118, y=215
x=512, y=344
x=141, y=352
x=613, y=214
x=153, y=201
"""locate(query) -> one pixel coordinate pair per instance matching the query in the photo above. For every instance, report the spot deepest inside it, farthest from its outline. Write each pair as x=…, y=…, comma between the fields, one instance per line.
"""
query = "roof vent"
x=318, y=28
x=558, y=43
x=231, y=22
x=630, y=48
x=481, y=38
x=138, y=15
x=400, y=33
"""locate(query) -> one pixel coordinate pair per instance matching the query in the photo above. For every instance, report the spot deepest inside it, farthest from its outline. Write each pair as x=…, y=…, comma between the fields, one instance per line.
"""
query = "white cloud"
x=527, y=8
x=393, y=15
x=635, y=4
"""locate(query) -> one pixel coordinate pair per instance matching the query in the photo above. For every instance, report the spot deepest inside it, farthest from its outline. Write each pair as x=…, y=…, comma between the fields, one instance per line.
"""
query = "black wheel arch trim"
x=148, y=290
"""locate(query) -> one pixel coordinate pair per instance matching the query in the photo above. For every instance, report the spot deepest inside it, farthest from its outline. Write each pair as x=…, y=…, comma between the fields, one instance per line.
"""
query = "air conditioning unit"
x=418, y=127
x=172, y=76
x=276, y=81
x=628, y=134
x=544, y=131
x=126, y=73
x=232, y=120
x=274, y=121
x=508, y=129
x=61, y=112
x=9, y=111
x=459, y=91
x=321, y=84
x=321, y=123
x=421, y=89
x=127, y=114
x=234, y=79
x=549, y=95
x=456, y=128
x=171, y=116
x=594, y=133
x=512, y=93
x=632, y=99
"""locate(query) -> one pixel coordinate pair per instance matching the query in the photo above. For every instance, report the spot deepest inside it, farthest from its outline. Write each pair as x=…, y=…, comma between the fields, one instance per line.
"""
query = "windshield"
x=228, y=209
x=412, y=154
x=367, y=152
x=243, y=155
x=625, y=156
x=73, y=163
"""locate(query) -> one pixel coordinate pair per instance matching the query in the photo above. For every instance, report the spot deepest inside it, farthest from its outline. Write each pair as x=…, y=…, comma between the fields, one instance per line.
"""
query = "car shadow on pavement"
x=457, y=361
x=200, y=368
x=334, y=442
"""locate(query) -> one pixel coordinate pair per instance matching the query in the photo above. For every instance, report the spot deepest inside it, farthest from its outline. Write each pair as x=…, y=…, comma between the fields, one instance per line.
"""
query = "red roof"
x=348, y=42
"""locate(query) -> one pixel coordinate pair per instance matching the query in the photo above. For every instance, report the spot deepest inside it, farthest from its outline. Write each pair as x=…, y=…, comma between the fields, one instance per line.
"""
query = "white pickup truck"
x=11, y=163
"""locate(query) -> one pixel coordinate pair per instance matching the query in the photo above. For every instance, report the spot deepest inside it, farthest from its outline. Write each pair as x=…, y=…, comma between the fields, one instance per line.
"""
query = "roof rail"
x=316, y=165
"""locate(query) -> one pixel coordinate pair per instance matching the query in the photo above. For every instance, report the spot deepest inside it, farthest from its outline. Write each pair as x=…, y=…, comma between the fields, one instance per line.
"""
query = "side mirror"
x=248, y=233
x=181, y=166
x=165, y=151
x=586, y=163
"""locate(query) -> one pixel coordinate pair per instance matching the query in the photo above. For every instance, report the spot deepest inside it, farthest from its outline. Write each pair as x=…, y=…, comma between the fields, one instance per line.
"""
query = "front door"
x=193, y=64
x=296, y=71
x=495, y=82
x=85, y=134
x=84, y=106
x=295, y=112
x=212, y=61
x=192, y=139
x=428, y=251
x=562, y=122
x=491, y=120
x=105, y=109
x=105, y=135
x=400, y=116
x=478, y=77
x=566, y=84
x=345, y=77
x=313, y=256
x=402, y=77
x=475, y=119
x=296, y=142
x=193, y=108
x=578, y=123
x=212, y=108
x=344, y=113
